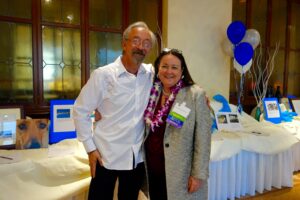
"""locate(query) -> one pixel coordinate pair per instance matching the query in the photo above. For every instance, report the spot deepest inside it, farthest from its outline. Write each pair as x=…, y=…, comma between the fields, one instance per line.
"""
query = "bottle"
x=269, y=93
x=278, y=94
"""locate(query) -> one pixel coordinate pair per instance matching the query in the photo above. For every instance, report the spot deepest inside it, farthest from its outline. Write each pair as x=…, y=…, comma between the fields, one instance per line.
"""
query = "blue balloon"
x=243, y=53
x=236, y=32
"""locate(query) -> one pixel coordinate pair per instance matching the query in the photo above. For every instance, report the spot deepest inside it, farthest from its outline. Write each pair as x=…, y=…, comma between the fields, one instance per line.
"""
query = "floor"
x=275, y=194
x=280, y=194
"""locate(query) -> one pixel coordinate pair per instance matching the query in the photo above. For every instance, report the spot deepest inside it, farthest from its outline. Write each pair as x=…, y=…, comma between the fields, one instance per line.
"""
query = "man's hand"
x=97, y=115
x=194, y=184
x=94, y=157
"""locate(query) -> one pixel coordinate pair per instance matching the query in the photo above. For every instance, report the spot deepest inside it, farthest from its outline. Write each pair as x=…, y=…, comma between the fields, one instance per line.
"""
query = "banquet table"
x=58, y=172
x=242, y=163
x=249, y=161
x=247, y=172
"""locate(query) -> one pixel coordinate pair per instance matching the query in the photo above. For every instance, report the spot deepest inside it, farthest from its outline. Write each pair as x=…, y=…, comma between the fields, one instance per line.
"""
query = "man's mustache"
x=137, y=51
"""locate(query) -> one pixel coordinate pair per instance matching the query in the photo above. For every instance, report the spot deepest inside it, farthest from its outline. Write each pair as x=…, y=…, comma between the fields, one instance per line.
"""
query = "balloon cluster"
x=240, y=44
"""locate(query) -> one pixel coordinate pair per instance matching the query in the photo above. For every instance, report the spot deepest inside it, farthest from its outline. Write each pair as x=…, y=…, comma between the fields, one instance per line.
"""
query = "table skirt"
x=247, y=173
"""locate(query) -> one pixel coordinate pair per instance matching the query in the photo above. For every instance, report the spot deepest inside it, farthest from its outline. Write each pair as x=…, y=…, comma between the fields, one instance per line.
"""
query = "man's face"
x=138, y=45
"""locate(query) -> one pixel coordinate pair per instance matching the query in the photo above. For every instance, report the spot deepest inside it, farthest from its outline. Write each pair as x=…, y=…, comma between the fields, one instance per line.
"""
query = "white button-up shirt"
x=121, y=98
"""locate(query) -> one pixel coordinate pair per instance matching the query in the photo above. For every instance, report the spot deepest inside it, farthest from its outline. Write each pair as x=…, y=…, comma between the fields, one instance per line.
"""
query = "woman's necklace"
x=165, y=96
x=165, y=93
x=156, y=120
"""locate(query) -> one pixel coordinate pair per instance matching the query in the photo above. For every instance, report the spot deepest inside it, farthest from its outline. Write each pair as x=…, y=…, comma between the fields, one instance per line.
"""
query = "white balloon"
x=227, y=47
x=242, y=69
x=252, y=37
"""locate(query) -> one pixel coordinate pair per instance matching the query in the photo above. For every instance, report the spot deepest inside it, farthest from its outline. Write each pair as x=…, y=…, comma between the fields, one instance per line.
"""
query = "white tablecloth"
x=59, y=172
x=244, y=162
x=36, y=176
x=241, y=163
x=248, y=172
x=296, y=157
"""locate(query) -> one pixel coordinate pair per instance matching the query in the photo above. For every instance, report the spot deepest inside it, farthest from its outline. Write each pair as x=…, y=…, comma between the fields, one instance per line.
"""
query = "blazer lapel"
x=178, y=99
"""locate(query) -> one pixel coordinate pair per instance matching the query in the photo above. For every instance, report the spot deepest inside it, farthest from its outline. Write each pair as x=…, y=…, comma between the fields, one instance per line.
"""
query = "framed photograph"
x=8, y=118
x=32, y=133
x=286, y=102
x=272, y=110
x=228, y=121
x=61, y=117
x=295, y=104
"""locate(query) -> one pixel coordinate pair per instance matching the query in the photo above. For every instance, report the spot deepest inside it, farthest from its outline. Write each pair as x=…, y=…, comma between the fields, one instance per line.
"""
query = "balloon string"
x=240, y=106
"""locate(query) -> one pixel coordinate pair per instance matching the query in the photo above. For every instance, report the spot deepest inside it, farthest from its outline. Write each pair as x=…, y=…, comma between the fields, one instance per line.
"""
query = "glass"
x=146, y=44
x=16, y=79
x=167, y=50
x=278, y=22
x=63, y=11
x=295, y=25
x=71, y=47
x=16, y=8
x=104, y=48
x=105, y=13
x=294, y=74
x=52, y=45
x=61, y=63
x=259, y=18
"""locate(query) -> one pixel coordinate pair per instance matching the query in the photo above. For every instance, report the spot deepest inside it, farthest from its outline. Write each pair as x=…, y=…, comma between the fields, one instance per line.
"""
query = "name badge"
x=178, y=115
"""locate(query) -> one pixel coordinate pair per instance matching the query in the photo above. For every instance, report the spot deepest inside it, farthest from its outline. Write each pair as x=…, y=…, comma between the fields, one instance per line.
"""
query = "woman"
x=177, y=141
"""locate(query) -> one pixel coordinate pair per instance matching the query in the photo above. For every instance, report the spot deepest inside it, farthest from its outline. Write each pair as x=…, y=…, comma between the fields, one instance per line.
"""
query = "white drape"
x=247, y=172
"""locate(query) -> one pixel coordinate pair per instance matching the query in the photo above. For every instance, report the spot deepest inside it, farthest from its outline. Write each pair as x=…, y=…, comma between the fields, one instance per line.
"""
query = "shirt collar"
x=121, y=69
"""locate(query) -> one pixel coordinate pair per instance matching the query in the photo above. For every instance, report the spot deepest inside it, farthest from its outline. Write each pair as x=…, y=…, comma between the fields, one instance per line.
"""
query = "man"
x=120, y=92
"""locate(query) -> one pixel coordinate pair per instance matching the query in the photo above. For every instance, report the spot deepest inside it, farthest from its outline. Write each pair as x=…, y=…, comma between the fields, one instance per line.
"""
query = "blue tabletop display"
x=225, y=104
x=62, y=124
x=272, y=110
x=287, y=116
x=225, y=108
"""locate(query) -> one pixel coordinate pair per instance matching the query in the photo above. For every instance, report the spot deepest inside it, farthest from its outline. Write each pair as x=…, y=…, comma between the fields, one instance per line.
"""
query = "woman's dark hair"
x=187, y=79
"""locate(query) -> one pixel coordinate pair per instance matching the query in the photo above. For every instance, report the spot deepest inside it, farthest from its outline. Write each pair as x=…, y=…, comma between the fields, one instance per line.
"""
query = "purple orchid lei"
x=156, y=120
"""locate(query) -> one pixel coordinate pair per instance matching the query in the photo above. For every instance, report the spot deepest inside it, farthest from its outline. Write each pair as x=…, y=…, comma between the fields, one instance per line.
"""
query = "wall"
x=198, y=27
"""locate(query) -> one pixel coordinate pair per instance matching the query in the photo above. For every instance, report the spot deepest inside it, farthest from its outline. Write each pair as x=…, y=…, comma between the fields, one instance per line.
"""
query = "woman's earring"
x=182, y=77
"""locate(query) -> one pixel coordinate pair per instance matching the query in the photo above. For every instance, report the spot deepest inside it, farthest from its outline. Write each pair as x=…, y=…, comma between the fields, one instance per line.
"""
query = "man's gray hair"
x=137, y=25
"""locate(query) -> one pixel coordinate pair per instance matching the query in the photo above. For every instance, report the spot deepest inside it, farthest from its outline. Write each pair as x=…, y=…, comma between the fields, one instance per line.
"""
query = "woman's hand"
x=194, y=184
x=94, y=157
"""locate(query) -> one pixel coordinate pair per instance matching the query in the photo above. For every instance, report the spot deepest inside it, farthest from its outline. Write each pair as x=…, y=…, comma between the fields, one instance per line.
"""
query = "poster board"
x=62, y=124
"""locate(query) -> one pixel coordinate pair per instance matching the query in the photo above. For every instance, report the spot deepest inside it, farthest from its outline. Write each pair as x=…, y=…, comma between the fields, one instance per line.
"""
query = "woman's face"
x=169, y=70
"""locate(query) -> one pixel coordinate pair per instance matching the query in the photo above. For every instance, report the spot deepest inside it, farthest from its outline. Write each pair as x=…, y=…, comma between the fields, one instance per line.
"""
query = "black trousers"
x=103, y=185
